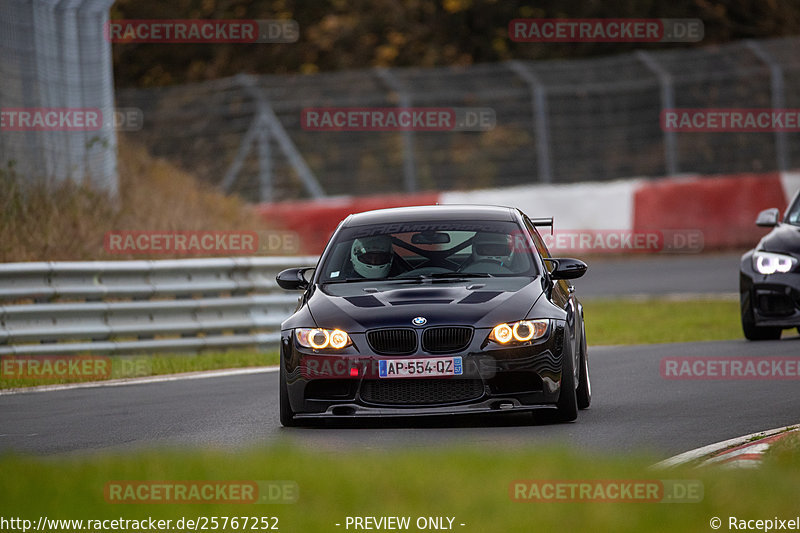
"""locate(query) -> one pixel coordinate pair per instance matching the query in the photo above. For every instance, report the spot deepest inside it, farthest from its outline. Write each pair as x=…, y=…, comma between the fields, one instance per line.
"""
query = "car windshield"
x=429, y=250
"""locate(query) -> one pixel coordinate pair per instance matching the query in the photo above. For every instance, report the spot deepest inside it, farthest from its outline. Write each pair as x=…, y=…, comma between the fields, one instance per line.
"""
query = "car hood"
x=357, y=307
x=784, y=238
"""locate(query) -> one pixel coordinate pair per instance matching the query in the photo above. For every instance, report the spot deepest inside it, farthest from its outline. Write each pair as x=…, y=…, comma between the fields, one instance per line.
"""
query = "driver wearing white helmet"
x=372, y=256
x=491, y=253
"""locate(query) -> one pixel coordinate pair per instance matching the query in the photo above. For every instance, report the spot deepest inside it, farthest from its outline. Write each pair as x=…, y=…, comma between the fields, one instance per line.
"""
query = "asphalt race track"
x=634, y=408
x=658, y=275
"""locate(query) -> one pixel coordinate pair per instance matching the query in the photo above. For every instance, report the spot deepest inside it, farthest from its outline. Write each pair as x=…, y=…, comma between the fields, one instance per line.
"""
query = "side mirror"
x=293, y=279
x=566, y=268
x=768, y=218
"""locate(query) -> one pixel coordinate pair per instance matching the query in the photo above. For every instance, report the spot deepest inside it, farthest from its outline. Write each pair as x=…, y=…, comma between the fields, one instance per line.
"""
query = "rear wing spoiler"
x=543, y=222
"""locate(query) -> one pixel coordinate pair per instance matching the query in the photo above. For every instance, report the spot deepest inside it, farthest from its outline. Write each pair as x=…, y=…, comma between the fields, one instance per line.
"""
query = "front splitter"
x=493, y=405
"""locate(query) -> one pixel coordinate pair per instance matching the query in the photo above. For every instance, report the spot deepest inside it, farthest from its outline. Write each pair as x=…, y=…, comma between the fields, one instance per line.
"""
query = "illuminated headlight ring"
x=321, y=338
x=518, y=332
x=770, y=263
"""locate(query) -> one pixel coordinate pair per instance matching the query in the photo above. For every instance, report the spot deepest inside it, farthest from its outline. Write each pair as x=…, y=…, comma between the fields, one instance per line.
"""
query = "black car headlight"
x=770, y=263
x=518, y=332
x=320, y=338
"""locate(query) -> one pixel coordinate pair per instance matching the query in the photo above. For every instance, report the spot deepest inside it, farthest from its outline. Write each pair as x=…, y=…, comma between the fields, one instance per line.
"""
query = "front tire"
x=567, y=406
x=287, y=415
x=757, y=333
x=584, y=392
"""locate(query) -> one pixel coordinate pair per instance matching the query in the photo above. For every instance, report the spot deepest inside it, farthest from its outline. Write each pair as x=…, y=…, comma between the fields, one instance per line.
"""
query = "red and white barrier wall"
x=684, y=214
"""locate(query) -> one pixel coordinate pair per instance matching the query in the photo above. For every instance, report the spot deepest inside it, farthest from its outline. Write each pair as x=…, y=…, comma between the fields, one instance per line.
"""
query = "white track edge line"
x=205, y=374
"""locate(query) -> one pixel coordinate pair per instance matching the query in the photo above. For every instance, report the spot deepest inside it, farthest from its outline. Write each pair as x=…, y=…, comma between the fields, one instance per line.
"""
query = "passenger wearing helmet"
x=491, y=254
x=372, y=256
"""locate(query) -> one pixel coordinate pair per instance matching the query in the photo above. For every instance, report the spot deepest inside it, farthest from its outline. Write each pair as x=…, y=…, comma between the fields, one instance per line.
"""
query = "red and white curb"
x=741, y=452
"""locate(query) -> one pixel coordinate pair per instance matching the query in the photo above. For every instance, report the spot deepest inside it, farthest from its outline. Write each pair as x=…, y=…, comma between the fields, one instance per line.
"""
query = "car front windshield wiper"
x=417, y=278
x=351, y=280
x=442, y=275
x=460, y=275
x=362, y=280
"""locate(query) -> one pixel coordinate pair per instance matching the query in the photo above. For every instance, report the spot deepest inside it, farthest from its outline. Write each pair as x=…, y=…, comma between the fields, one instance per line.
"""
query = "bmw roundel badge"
x=419, y=321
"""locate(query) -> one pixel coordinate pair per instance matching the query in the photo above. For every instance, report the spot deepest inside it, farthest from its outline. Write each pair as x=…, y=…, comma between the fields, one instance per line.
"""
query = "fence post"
x=292, y=153
x=265, y=125
x=265, y=185
x=778, y=99
x=404, y=102
x=540, y=122
x=667, y=102
x=241, y=154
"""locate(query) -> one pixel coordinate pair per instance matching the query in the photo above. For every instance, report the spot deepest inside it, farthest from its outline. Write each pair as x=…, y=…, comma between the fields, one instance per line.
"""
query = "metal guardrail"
x=142, y=306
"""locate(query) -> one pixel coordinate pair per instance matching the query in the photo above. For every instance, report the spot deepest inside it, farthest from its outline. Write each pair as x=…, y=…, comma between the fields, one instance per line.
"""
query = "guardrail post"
x=540, y=122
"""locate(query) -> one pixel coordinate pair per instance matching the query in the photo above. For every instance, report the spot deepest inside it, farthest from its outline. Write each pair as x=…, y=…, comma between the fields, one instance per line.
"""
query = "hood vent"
x=420, y=302
x=364, y=301
x=479, y=297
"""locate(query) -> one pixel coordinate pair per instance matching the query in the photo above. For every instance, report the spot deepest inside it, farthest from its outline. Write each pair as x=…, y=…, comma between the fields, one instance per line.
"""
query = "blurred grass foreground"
x=474, y=487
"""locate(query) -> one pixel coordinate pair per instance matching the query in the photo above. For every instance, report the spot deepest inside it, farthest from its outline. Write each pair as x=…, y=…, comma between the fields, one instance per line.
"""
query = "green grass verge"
x=159, y=364
x=785, y=450
x=469, y=484
x=656, y=321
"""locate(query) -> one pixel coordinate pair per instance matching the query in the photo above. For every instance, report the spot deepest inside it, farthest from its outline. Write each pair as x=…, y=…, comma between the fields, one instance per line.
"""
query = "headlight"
x=767, y=263
x=318, y=338
x=522, y=331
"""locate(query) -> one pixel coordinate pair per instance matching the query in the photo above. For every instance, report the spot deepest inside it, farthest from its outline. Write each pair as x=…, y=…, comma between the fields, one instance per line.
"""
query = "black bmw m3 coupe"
x=769, y=276
x=434, y=310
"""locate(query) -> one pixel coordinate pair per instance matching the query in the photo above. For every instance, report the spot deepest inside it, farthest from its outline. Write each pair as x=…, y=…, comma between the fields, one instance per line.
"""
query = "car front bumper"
x=774, y=298
x=495, y=379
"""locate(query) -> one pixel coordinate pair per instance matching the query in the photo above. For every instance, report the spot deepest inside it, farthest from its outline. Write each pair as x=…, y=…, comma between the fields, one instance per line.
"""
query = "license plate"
x=416, y=368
